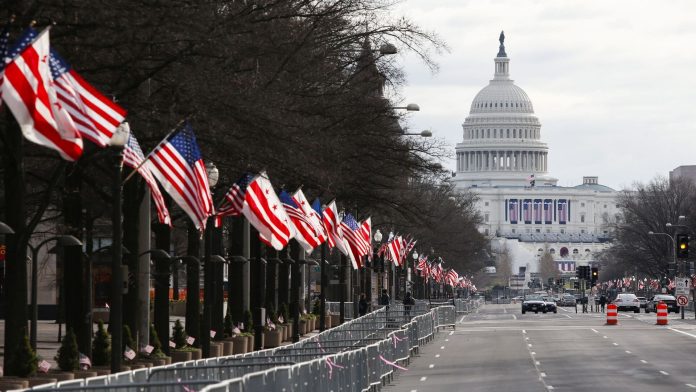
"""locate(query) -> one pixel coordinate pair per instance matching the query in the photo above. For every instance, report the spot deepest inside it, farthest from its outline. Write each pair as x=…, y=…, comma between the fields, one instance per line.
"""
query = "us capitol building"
x=503, y=159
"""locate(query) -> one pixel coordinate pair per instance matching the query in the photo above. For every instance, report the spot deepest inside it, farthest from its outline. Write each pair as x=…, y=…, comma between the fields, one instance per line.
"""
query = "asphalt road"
x=499, y=349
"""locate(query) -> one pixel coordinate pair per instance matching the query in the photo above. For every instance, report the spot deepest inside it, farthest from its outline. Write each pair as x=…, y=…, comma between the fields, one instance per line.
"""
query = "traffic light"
x=595, y=275
x=550, y=282
x=576, y=285
x=682, y=246
x=583, y=272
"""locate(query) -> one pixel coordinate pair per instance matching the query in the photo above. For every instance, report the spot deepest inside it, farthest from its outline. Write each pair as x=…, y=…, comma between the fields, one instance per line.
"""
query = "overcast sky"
x=612, y=82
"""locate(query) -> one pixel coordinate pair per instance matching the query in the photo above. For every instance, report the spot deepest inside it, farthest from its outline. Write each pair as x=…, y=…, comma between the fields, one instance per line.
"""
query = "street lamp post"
x=674, y=246
x=424, y=133
x=415, y=257
x=5, y=228
x=378, y=239
x=118, y=141
x=63, y=240
x=213, y=175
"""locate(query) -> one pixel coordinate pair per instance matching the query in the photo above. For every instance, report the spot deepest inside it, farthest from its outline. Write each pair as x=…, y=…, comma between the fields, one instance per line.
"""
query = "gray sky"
x=611, y=81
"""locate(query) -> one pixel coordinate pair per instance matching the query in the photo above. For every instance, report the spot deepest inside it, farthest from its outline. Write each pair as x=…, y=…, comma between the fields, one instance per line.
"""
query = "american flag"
x=4, y=43
x=133, y=157
x=437, y=272
x=356, y=242
x=548, y=211
x=366, y=232
x=316, y=216
x=396, y=246
x=422, y=262
x=303, y=227
x=334, y=230
x=95, y=115
x=452, y=277
x=562, y=211
x=178, y=165
x=27, y=90
x=537, y=211
x=513, y=211
x=233, y=202
x=527, y=210
x=265, y=212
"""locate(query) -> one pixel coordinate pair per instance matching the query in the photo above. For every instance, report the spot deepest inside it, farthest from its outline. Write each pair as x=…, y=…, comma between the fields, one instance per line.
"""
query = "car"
x=536, y=303
x=567, y=300
x=643, y=302
x=517, y=299
x=550, y=304
x=669, y=300
x=627, y=301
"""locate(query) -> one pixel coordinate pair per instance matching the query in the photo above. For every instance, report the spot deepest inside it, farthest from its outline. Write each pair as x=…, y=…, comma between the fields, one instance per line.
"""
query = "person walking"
x=408, y=304
x=602, y=301
x=363, y=306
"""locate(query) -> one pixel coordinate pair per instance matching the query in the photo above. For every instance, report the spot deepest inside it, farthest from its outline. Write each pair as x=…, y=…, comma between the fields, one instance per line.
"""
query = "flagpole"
x=176, y=128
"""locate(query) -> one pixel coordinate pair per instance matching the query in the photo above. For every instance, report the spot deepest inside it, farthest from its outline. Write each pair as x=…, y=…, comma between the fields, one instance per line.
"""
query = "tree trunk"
x=162, y=241
x=235, y=278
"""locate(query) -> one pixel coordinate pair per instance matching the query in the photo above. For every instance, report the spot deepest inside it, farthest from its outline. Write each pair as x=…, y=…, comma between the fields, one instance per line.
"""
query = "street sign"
x=682, y=300
x=683, y=286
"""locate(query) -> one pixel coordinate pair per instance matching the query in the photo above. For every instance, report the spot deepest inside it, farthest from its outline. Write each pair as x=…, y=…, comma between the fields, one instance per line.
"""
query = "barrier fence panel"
x=360, y=354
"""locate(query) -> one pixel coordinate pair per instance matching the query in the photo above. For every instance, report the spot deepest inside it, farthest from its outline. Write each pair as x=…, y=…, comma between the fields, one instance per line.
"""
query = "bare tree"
x=547, y=265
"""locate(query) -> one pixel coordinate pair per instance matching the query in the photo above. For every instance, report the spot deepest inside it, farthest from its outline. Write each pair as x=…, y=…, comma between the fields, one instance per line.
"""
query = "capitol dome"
x=502, y=143
x=501, y=96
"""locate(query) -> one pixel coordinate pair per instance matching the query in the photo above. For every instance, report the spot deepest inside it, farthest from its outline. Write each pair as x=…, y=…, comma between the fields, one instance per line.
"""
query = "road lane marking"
x=526, y=338
x=549, y=387
x=533, y=353
x=504, y=310
x=537, y=363
x=566, y=316
x=414, y=390
x=462, y=319
x=529, y=344
x=524, y=331
x=542, y=374
x=423, y=378
x=432, y=365
x=514, y=317
x=628, y=352
x=451, y=333
x=594, y=330
x=615, y=344
x=437, y=355
x=442, y=347
x=644, y=361
x=605, y=337
x=446, y=340
x=691, y=385
x=685, y=333
x=664, y=372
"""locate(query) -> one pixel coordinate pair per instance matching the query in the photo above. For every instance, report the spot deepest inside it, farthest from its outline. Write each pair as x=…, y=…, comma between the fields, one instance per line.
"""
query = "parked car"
x=643, y=302
x=566, y=300
x=627, y=301
x=669, y=300
x=536, y=303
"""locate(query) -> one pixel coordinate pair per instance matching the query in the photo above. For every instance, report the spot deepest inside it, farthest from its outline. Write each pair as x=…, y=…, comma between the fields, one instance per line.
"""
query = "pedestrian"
x=363, y=306
x=408, y=304
x=384, y=299
x=602, y=301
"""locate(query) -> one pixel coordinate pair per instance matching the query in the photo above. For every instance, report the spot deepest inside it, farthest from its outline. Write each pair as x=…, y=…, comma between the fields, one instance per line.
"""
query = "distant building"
x=688, y=172
x=503, y=159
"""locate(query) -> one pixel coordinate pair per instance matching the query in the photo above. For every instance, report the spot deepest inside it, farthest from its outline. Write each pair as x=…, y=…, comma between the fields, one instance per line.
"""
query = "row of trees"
x=293, y=87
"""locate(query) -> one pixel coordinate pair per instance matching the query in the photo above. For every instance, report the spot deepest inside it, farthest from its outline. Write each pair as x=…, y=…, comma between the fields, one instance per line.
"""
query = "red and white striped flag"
x=304, y=230
x=366, y=233
x=355, y=240
x=395, y=247
x=233, y=202
x=133, y=157
x=266, y=213
x=333, y=229
x=178, y=165
x=27, y=90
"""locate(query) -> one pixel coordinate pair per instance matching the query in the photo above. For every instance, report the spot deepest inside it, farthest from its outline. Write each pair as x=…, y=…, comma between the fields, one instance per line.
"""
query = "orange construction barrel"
x=661, y=313
x=612, y=315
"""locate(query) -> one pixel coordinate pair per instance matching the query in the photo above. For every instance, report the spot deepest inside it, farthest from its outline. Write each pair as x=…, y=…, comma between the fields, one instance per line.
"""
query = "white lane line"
x=542, y=374
x=446, y=340
x=451, y=333
x=691, y=385
x=615, y=344
x=644, y=361
x=529, y=344
x=461, y=320
x=664, y=372
x=549, y=387
x=524, y=331
x=504, y=310
x=594, y=330
x=533, y=353
x=566, y=316
x=605, y=337
x=685, y=333
x=423, y=378
x=526, y=338
x=414, y=390
x=442, y=347
x=437, y=355
x=537, y=363
x=628, y=352
x=432, y=365
x=514, y=317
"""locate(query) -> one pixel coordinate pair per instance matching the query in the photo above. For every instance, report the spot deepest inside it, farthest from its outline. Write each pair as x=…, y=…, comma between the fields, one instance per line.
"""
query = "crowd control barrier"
x=362, y=354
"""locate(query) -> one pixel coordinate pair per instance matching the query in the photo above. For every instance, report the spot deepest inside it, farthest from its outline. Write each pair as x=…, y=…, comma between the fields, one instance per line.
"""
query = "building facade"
x=503, y=159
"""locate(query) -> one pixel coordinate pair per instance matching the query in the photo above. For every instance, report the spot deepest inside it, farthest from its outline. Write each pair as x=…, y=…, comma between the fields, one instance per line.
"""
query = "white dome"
x=501, y=96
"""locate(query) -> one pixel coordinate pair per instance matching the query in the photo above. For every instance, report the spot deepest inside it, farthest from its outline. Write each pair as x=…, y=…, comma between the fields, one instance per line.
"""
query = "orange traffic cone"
x=612, y=315
x=661, y=313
